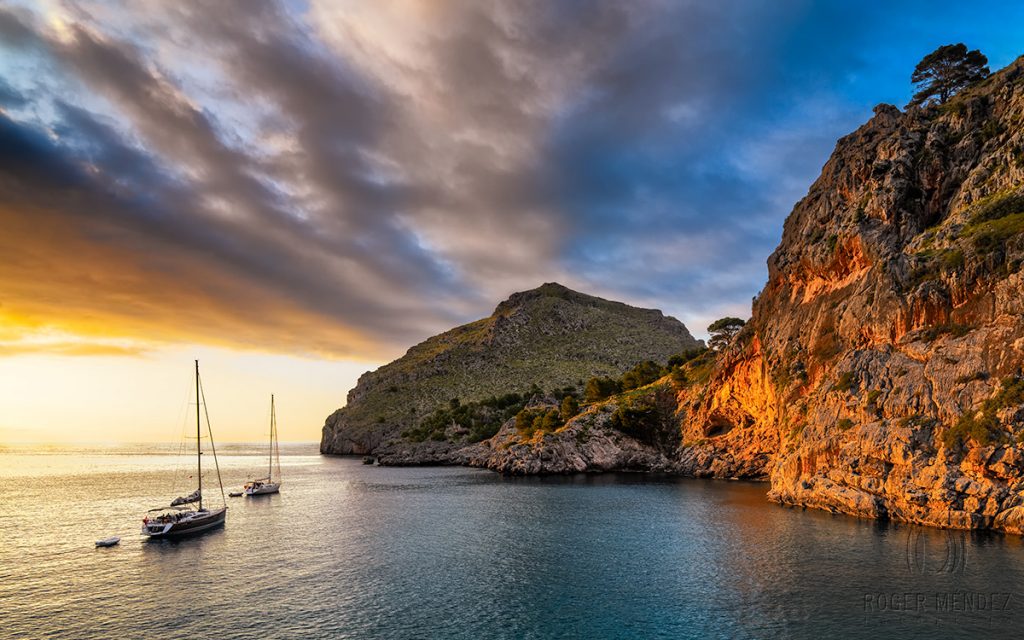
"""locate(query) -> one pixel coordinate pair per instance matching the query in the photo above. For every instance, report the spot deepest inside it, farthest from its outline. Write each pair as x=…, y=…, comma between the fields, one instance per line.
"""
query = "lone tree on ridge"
x=948, y=69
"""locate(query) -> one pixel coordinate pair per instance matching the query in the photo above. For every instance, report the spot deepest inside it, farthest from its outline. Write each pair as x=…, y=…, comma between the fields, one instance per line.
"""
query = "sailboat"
x=268, y=485
x=187, y=514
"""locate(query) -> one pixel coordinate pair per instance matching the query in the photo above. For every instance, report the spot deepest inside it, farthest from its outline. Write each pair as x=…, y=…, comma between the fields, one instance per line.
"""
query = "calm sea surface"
x=352, y=551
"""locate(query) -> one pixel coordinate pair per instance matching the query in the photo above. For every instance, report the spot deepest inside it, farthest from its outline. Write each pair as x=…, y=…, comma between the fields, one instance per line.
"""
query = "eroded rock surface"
x=879, y=374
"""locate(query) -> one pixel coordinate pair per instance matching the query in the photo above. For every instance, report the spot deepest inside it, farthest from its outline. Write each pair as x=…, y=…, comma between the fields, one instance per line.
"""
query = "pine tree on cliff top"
x=948, y=69
x=723, y=331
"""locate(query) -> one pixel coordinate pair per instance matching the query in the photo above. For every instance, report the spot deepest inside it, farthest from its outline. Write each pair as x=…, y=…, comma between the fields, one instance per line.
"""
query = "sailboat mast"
x=270, y=456
x=199, y=442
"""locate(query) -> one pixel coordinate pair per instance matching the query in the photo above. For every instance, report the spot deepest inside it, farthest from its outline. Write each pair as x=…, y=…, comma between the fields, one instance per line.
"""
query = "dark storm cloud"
x=163, y=213
x=337, y=116
x=145, y=258
x=28, y=159
x=14, y=29
x=9, y=97
x=348, y=179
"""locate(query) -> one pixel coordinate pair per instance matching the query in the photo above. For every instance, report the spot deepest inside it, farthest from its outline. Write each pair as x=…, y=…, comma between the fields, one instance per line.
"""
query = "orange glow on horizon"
x=59, y=280
x=49, y=398
x=96, y=344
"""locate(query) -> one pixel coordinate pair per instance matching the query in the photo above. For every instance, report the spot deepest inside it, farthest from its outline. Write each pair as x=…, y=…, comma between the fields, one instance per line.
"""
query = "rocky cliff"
x=880, y=372
x=549, y=337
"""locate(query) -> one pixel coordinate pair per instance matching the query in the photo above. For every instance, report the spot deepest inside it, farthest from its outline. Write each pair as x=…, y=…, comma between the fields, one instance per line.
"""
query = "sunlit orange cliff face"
x=879, y=375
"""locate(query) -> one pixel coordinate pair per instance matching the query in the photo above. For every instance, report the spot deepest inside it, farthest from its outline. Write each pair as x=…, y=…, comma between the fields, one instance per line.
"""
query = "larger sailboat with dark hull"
x=188, y=515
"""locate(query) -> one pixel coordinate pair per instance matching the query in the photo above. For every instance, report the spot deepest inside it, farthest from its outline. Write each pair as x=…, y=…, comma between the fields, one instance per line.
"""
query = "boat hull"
x=189, y=527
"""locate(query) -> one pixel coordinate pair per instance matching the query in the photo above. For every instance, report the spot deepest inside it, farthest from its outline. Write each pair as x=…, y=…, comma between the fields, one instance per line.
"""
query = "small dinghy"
x=108, y=542
x=235, y=494
x=368, y=460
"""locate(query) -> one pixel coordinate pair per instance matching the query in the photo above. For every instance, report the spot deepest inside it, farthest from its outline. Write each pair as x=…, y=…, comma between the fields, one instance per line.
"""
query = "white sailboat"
x=187, y=515
x=266, y=485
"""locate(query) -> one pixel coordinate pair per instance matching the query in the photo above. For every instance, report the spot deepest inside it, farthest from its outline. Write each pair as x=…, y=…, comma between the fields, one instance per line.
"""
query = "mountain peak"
x=550, y=336
x=546, y=290
x=554, y=290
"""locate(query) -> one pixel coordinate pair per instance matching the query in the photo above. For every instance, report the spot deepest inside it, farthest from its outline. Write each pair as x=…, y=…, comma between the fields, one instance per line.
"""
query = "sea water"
x=354, y=551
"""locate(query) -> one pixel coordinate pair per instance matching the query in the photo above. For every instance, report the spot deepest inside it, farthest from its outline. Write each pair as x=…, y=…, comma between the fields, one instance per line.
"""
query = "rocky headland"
x=880, y=373
x=544, y=339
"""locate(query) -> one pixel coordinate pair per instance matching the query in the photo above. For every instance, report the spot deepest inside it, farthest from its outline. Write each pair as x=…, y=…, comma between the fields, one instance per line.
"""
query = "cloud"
x=346, y=180
x=14, y=29
x=204, y=247
x=74, y=348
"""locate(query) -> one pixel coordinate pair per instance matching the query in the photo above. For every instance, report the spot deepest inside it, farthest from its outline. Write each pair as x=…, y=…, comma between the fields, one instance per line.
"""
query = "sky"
x=296, y=192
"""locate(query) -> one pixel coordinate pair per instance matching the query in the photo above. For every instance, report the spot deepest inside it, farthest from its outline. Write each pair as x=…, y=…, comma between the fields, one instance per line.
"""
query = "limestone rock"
x=880, y=372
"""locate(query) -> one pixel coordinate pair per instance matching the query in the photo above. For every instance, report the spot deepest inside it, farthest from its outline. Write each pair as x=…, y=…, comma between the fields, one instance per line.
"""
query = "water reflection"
x=358, y=551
